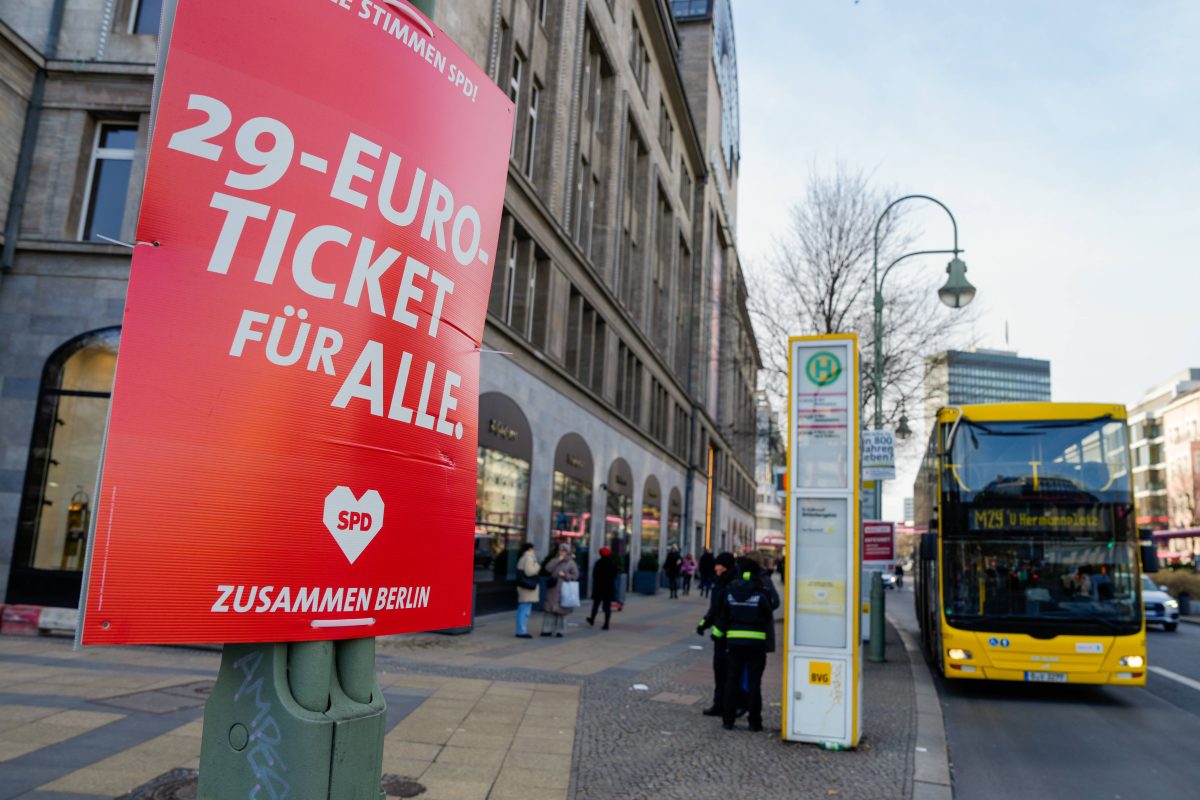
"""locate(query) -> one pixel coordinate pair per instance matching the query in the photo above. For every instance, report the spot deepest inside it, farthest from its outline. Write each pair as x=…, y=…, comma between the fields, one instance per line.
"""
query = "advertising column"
x=822, y=659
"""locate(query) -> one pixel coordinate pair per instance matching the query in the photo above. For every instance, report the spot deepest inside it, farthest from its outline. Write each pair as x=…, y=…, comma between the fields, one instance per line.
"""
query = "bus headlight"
x=1133, y=661
x=1171, y=603
x=959, y=655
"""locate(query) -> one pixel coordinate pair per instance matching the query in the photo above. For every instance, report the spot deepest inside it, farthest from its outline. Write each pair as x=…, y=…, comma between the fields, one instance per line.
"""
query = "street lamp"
x=956, y=293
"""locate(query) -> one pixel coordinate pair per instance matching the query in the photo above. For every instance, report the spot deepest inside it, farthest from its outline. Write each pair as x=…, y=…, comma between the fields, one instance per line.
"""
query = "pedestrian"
x=746, y=616
x=898, y=572
x=706, y=572
x=672, y=569
x=604, y=586
x=779, y=569
x=527, y=588
x=687, y=568
x=562, y=569
x=723, y=574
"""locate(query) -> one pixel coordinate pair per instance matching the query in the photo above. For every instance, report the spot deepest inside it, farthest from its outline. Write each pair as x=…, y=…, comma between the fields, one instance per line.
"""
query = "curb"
x=931, y=764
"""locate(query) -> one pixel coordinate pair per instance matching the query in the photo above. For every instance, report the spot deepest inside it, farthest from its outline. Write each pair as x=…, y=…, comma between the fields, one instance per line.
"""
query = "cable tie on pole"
x=111, y=240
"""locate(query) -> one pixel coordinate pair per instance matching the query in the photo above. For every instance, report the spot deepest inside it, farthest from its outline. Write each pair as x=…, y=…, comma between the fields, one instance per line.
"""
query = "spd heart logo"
x=352, y=522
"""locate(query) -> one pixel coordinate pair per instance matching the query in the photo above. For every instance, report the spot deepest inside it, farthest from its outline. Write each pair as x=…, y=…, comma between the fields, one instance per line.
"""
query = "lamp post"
x=956, y=293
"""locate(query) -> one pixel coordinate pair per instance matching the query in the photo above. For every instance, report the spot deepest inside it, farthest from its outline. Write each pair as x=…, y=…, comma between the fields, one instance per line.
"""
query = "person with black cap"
x=604, y=586
x=723, y=569
x=747, y=616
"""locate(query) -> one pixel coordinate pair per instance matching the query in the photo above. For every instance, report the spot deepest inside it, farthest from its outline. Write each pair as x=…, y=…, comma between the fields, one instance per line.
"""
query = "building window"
x=514, y=94
x=108, y=181
x=666, y=131
x=586, y=342
x=520, y=295
x=639, y=58
x=629, y=384
x=64, y=458
x=145, y=17
x=535, y=94
x=541, y=6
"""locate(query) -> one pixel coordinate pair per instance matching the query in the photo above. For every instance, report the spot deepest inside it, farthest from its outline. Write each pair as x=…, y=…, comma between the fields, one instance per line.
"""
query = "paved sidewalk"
x=596, y=714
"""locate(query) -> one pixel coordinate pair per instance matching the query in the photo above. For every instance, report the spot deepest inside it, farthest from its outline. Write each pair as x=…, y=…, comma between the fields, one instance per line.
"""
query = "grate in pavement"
x=397, y=786
x=178, y=784
x=162, y=701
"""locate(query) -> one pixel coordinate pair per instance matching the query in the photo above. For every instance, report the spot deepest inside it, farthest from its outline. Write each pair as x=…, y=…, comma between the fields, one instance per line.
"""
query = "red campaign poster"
x=878, y=541
x=291, y=453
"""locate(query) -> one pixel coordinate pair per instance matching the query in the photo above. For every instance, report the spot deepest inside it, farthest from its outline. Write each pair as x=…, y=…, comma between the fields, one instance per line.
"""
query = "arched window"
x=64, y=461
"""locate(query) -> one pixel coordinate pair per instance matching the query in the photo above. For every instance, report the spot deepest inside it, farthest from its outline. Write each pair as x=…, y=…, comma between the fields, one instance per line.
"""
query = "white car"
x=1161, y=608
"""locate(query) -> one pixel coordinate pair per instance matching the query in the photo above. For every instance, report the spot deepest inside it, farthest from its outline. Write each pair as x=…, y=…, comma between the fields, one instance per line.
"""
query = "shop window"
x=64, y=458
x=108, y=181
x=501, y=508
x=651, y=518
x=618, y=519
x=675, y=522
x=145, y=16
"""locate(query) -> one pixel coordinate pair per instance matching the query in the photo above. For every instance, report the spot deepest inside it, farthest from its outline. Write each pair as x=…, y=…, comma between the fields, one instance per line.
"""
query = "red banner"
x=292, y=448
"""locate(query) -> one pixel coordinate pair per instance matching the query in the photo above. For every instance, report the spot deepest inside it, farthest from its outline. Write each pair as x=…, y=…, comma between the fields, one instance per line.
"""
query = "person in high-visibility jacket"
x=747, y=617
x=723, y=568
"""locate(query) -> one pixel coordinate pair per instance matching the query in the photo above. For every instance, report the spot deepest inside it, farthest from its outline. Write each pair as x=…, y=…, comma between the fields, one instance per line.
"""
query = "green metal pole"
x=876, y=647
x=303, y=720
x=426, y=7
x=877, y=280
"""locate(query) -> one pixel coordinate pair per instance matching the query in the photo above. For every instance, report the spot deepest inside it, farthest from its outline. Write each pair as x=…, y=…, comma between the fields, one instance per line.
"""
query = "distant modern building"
x=971, y=377
x=1148, y=445
x=908, y=510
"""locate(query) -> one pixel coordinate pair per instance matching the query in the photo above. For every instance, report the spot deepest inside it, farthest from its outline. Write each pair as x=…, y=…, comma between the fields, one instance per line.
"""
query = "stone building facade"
x=617, y=381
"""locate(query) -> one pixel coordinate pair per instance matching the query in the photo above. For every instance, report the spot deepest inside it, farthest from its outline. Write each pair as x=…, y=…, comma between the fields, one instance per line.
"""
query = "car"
x=889, y=580
x=1161, y=608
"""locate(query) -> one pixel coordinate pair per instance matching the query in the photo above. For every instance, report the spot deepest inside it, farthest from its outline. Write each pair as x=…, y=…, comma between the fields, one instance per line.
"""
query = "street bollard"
x=303, y=720
x=875, y=648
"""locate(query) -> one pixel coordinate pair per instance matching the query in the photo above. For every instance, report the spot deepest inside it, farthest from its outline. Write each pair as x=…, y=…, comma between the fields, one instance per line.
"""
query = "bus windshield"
x=1038, y=532
x=1023, y=585
x=1043, y=459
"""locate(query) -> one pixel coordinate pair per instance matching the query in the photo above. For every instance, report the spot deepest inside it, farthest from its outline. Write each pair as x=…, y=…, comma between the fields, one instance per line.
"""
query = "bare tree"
x=818, y=280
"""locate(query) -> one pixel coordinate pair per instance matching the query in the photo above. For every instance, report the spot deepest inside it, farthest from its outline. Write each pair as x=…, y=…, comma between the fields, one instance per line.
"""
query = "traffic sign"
x=292, y=448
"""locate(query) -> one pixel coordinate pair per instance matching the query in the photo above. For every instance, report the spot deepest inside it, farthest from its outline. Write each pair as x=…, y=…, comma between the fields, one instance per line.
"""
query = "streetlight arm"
x=879, y=288
x=894, y=203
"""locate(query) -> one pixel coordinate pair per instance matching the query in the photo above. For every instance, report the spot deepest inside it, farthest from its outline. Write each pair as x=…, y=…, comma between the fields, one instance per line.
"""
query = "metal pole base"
x=876, y=648
x=303, y=720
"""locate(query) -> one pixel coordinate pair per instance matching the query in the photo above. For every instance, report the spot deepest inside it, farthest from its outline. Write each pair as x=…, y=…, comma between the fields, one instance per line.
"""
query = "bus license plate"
x=1046, y=677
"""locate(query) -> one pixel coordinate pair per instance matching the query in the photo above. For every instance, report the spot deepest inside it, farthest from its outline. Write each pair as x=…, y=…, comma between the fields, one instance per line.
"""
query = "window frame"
x=97, y=153
x=135, y=8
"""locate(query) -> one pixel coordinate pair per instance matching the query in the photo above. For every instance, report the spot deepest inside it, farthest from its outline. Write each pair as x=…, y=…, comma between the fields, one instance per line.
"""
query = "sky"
x=1064, y=136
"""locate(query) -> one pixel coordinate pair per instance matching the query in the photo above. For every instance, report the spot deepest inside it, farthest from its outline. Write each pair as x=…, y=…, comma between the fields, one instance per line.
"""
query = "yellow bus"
x=1027, y=567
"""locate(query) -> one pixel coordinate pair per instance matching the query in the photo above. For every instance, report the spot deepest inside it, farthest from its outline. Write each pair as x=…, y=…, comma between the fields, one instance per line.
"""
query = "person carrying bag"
x=562, y=571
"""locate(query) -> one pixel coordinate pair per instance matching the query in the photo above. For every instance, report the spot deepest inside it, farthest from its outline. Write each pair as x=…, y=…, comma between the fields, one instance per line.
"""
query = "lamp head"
x=902, y=430
x=958, y=291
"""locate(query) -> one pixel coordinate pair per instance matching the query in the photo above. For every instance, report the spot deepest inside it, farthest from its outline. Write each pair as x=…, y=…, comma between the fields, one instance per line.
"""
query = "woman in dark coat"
x=604, y=586
x=672, y=567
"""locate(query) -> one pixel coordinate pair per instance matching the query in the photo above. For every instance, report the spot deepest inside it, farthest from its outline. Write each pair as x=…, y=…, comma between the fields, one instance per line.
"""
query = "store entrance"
x=64, y=461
